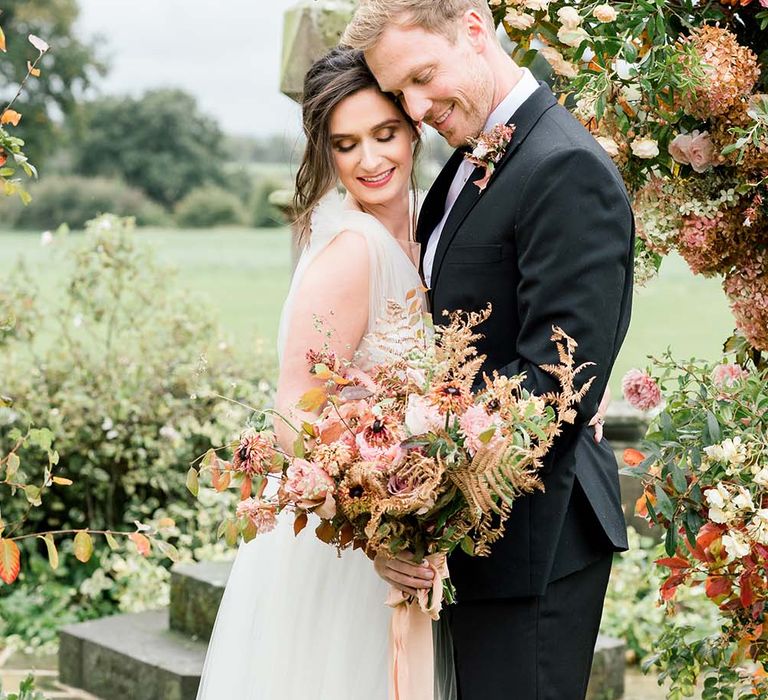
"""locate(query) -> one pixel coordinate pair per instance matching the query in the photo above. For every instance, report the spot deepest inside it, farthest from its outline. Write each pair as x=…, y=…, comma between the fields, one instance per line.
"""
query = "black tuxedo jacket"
x=549, y=242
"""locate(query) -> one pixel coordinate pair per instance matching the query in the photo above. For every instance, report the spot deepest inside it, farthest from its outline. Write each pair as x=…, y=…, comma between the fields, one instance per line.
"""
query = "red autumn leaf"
x=300, y=523
x=717, y=586
x=746, y=595
x=761, y=550
x=3, y=157
x=10, y=561
x=669, y=587
x=142, y=543
x=633, y=457
x=674, y=563
x=708, y=534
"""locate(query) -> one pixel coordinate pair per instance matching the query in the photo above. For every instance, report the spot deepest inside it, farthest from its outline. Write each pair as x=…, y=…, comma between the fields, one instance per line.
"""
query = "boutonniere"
x=488, y=149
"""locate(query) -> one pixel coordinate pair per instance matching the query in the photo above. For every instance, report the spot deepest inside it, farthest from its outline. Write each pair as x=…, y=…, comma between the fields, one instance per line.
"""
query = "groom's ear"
x=418, y=127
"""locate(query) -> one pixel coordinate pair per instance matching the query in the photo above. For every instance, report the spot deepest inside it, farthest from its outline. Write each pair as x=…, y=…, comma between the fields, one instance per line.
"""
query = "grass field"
x=244, y=275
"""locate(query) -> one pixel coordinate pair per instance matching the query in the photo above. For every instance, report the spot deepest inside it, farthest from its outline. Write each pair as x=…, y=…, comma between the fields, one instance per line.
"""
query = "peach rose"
x=309, y=486
x=519, y=20
x=558, y=63
x=645, y=148
x=569, y=17
x=604, y=13
x=609, y=145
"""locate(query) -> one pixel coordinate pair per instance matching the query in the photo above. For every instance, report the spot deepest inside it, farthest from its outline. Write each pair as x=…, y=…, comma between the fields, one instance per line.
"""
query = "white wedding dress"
x=298, y=622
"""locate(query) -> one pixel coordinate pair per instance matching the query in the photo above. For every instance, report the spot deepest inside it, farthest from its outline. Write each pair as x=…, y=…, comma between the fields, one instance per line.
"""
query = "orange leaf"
x=220, y=481
x=325, y=532
x=300, y=523
x=346, y=535
x=143, y=545
x=164, y=523
x=62, y=481
x=641, y=505
x=10, y=116
x=33, y=71
x=3, y=157
x=2, y=40
x=313, y=400
x=633, y=457
x=245, y=489
x=10, y=561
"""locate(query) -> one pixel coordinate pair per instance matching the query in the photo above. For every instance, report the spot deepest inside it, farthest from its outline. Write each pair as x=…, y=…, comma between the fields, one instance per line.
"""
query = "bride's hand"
x=599, y=419
x=402, y=573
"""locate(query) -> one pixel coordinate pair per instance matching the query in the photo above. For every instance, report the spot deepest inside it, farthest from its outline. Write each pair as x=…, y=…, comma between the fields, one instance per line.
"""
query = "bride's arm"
x=335, y=289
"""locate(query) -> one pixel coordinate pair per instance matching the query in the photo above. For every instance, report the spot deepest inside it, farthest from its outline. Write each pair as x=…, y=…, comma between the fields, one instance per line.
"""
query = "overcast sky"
x=224, y=52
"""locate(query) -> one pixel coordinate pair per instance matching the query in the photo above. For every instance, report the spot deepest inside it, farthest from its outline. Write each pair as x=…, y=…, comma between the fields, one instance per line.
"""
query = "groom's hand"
x=598, y=420
x=402, y=573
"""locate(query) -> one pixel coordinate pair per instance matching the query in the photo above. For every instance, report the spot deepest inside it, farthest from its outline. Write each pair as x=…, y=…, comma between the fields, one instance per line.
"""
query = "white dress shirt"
x=523, y=89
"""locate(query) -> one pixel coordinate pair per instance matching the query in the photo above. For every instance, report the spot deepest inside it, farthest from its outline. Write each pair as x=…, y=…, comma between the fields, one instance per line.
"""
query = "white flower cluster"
x=728, y=503
x=731, y=451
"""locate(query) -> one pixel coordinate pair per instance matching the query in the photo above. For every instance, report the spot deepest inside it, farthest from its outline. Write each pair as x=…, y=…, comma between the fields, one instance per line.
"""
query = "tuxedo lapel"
x=524, y=119
x=433, y=208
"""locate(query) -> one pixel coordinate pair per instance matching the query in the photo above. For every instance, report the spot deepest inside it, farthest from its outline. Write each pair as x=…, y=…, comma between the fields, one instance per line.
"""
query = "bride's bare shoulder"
x=344, y=260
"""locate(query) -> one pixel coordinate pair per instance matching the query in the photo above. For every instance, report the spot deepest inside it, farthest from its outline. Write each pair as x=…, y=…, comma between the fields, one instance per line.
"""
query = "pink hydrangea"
x=701, y=243
x=747, y=289
x=727, y=375
x=640, y=390
x=474, y=422
x=308, y=486
x=262, y=515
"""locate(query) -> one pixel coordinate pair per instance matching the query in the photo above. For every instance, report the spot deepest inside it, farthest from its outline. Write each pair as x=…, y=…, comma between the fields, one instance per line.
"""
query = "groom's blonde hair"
x=439, y=17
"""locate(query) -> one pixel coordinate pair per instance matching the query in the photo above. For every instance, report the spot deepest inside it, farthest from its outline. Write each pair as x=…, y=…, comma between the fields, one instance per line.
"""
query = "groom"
x=549, y=242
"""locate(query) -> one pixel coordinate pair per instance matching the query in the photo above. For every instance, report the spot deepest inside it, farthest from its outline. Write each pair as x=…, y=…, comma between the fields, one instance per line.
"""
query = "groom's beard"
x=472, y=105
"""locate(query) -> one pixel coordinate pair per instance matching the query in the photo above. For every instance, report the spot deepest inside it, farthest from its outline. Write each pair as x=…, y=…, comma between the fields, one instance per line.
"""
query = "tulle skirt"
x=298, y=622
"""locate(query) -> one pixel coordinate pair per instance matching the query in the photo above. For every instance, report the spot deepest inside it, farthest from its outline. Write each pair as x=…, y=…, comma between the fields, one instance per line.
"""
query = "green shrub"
x=263, y=214
x=73, y=200
x=128, y=385
x=207, y=206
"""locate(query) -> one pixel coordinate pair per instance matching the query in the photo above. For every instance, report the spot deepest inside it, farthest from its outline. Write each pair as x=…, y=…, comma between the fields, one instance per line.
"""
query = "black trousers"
x=537, y=648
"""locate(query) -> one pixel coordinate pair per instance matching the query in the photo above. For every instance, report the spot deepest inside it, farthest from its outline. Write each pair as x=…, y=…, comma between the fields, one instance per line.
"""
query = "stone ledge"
x=196, y=591
x=131, y=657
x=606, y=681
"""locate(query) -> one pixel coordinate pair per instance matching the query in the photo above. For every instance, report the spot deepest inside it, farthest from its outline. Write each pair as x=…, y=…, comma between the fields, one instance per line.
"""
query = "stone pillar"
x=310, y=29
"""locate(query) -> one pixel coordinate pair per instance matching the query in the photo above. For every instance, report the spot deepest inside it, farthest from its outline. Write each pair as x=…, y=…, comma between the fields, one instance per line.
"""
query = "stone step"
x=606, y=681
x=137, y=657
x=131, y=657
x=196, y=591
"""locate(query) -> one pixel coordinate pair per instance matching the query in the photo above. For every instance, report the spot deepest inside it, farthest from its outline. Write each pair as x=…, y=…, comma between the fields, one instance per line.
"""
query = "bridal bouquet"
x=405, y=456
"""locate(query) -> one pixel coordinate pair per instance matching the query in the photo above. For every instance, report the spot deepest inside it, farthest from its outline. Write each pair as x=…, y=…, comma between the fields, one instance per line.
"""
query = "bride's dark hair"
x=337, y=75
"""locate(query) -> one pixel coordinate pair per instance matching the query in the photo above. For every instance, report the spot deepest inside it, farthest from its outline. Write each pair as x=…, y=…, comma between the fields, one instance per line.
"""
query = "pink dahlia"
x=474, y=422
x=253, y=456
x=262, y=515
x=640, y=390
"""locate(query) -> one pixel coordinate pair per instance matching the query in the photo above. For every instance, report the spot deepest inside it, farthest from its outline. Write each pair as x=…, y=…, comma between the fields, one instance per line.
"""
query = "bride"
x=296, y=621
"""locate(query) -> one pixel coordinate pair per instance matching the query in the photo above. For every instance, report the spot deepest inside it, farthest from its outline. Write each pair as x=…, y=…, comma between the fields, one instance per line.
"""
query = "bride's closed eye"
x=383, y=136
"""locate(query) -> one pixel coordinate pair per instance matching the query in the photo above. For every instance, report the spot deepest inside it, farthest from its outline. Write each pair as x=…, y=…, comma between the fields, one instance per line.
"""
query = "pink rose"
x=474, y=422
x=701, y=152
x=764, y=3
x=640, y=390
x=695, y=149
x=727, y=375
x=679, y=148
x=421, y=416
x=308, y=486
